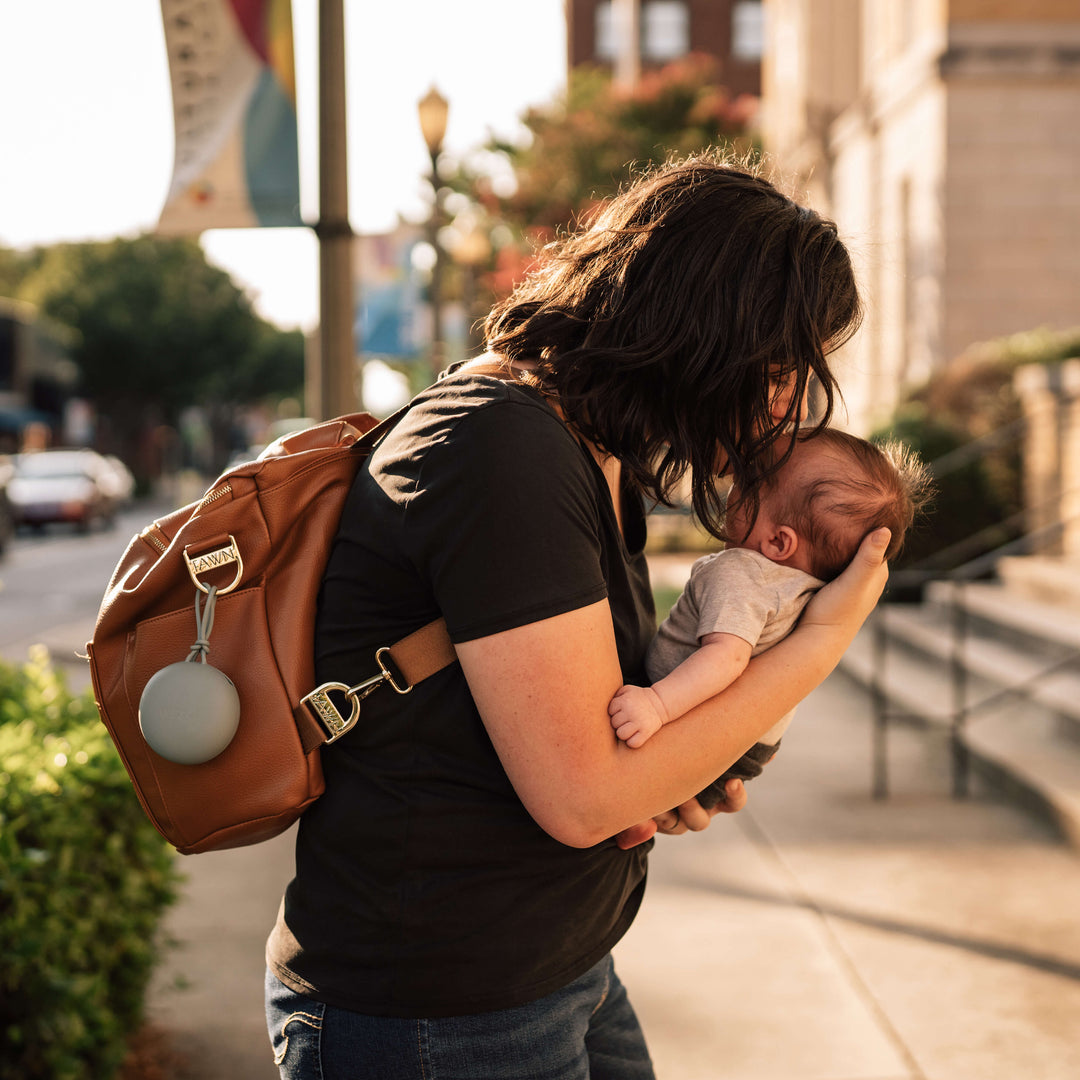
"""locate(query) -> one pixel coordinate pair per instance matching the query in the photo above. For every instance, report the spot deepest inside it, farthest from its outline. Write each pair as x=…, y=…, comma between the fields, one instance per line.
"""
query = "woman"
x=482, y=842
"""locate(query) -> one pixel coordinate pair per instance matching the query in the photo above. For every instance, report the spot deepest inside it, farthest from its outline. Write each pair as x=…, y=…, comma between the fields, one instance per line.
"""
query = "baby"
x=832, y=491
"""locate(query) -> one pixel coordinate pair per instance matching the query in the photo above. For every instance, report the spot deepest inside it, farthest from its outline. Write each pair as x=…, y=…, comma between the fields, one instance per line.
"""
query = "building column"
x=1050, y=401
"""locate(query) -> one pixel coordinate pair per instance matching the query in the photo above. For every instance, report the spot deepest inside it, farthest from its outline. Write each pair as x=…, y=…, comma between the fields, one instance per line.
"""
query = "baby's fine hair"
x=878, y=485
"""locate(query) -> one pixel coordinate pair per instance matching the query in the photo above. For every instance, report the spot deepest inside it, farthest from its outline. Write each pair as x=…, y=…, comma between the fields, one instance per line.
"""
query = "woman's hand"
x=845, y=602
x=690, y=817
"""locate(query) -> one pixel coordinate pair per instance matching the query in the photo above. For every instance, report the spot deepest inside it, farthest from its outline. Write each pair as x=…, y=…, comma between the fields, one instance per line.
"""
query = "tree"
x=14, y=268
x=158, y=325
x=590, y=141
x=156, y=329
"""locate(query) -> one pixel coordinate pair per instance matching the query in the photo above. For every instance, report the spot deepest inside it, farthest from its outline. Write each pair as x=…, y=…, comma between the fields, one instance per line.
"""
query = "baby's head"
x=833, y=490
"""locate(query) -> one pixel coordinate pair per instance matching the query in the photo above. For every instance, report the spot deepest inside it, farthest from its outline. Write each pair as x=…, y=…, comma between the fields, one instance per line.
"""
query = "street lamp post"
x=471, y=252
x=331, y=381
x=434, y=109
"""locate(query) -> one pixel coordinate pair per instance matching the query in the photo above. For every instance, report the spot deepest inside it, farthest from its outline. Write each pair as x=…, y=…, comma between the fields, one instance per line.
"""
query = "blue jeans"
x=585, y=1031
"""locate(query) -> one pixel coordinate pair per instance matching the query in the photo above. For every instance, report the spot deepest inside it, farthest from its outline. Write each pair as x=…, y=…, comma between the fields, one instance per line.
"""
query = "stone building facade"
x=943, y=136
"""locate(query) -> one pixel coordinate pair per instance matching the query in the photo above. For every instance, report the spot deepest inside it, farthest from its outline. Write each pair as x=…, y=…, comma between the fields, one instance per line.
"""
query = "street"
x=51, y=585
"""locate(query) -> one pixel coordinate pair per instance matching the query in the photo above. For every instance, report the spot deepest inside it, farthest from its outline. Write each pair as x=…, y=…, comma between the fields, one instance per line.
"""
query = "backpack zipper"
x=149, y=535
x=213, y=496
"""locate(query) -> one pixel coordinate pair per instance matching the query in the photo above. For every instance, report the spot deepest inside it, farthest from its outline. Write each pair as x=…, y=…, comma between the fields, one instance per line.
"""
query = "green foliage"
x=975, y=497
x=586, y=144
x=158, y=326
x=15, y=266
x=583, y=147
x=979, y=498
x=84, y=881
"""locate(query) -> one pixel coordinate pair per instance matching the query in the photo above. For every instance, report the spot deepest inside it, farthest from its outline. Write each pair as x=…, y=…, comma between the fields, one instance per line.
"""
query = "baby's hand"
x=636, y=714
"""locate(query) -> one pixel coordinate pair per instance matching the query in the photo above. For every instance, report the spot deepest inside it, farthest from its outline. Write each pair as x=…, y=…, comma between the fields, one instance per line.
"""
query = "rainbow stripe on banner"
x=234, y=110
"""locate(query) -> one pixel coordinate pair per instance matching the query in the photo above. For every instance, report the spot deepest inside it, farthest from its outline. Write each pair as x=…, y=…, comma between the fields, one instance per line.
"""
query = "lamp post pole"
x=433, y=109
x=471, y=252
x=331, y=389
x=436, y=289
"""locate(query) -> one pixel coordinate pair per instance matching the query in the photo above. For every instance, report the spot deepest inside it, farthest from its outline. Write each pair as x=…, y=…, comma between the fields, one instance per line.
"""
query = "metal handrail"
x=918, y=576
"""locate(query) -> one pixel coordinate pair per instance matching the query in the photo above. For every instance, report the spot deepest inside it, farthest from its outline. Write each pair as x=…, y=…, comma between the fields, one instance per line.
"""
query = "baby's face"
x=737, y=528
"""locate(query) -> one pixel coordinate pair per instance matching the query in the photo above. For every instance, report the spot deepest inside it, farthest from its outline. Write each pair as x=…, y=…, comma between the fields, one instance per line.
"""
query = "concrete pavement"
x=817, y=935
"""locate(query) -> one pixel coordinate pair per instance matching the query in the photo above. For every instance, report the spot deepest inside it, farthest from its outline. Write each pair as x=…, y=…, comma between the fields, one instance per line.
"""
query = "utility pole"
x=331, y=376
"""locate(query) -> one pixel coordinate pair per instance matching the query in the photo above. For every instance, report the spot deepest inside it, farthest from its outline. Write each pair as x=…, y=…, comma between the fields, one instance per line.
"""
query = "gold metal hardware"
x=387, y=674
x=328, y=713
x=217, y=493
x=152, y=539
x=211, y=560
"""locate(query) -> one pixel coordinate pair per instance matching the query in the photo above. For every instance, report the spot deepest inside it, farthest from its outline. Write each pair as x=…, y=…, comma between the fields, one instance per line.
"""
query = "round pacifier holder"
x=189, y=711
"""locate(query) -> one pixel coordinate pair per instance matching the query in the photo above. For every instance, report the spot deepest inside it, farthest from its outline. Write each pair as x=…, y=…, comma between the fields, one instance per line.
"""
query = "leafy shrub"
x=974, y=498
x=972, y=404
x=84, y=881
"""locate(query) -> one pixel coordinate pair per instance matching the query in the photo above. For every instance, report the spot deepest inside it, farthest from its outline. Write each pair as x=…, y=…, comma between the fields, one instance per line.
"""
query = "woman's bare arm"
x=543, y=691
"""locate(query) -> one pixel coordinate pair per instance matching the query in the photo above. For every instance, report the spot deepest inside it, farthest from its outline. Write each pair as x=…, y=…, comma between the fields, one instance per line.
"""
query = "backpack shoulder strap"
x=411, y=660
x=371, y=438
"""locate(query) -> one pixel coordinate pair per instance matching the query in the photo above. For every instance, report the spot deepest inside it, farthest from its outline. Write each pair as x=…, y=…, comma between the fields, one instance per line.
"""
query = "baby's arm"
x=637, y=712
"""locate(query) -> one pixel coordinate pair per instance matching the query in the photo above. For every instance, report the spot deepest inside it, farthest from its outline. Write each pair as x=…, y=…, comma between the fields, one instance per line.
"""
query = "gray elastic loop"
x=204, y=623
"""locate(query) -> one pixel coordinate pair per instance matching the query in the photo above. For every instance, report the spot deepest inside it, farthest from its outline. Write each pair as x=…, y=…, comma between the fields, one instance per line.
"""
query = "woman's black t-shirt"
x=423, y=887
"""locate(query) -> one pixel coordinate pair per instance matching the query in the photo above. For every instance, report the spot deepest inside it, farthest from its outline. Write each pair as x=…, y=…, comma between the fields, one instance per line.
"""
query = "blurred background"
x=224, y=219
x=939, y=135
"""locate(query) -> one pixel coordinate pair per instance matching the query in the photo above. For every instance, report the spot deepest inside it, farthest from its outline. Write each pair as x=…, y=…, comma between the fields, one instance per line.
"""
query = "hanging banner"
x=234, y=110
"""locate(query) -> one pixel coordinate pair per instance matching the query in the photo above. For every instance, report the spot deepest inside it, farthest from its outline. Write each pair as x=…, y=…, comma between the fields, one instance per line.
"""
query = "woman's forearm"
x=543, y=692
x=685, y=757
x=549, y=724
x=714, y=665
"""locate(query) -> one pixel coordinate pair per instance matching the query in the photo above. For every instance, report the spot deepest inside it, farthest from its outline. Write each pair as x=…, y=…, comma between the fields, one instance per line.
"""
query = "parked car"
x=122, y=484
x=7, y=511
x=63, y=485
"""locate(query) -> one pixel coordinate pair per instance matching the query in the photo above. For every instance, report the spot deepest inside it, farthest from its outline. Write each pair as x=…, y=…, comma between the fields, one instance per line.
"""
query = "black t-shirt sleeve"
x=503, y=521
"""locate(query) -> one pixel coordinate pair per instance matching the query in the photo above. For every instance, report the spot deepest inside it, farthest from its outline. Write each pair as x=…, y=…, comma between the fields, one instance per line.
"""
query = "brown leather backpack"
x=254, y=548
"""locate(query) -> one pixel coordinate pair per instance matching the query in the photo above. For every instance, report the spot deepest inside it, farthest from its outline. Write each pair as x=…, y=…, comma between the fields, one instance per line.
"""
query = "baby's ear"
x=781, y=544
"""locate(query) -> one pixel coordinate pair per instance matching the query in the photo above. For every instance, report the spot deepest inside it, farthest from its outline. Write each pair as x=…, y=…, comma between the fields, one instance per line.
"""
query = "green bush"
x=84, y=881
x=973, y=500
x=971, y=403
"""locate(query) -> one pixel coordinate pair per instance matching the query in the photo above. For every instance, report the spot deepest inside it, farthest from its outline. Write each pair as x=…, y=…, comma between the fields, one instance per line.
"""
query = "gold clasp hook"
x=320, y=702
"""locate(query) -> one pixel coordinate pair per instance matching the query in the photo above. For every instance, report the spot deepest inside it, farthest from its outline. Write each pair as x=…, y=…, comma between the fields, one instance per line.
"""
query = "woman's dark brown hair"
x=657, y=326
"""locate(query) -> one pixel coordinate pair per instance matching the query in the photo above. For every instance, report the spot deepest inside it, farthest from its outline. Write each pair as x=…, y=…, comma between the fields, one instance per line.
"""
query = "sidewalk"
x=817, y=935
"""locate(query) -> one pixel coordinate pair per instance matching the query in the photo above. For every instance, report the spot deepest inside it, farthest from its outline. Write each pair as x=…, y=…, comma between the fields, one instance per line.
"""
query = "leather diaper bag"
x=230, y=584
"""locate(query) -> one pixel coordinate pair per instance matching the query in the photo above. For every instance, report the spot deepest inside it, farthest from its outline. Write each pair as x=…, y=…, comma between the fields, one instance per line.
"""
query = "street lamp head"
x=433, y=109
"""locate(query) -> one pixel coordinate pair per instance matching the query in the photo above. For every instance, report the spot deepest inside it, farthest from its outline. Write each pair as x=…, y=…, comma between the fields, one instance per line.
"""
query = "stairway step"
x=1022, y=751
x=1037, y=763
x=1052, y=683
x=1051, y=579
x=1013, y=612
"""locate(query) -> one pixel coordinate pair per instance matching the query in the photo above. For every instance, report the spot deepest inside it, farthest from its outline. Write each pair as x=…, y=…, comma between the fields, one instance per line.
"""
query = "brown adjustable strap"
x=423, y=652
x=414, y=658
